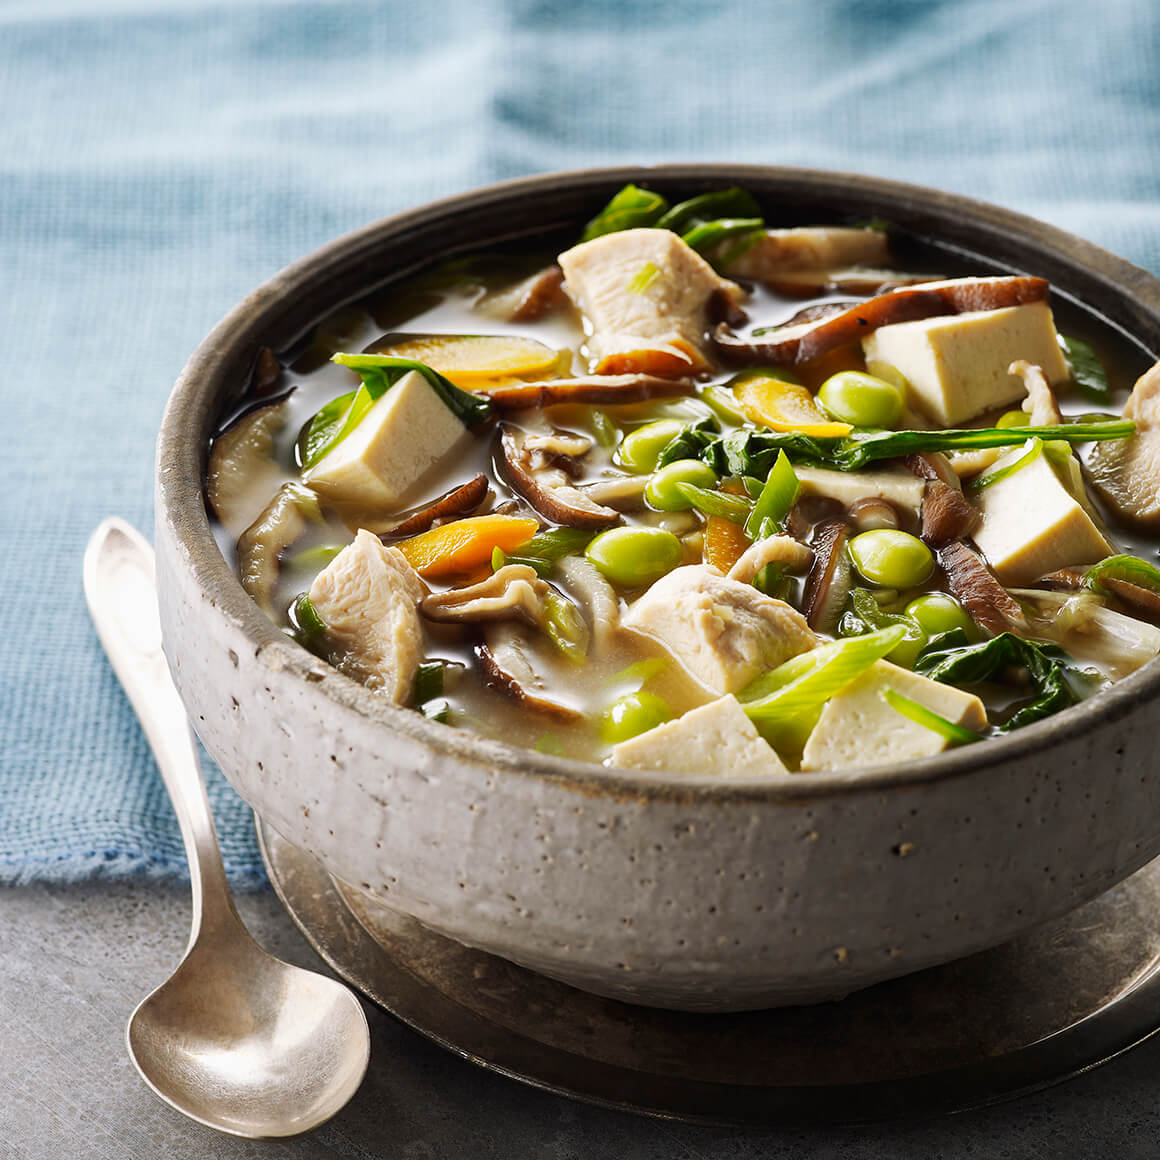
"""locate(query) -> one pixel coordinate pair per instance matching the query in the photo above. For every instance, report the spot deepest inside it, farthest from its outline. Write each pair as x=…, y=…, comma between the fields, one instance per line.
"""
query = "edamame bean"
x=661, y=492
x=891, y=559
x=936, y=613
x=633, y=714
x=1011, y=419
x=641, y=448
x=633, y=557
x=861, y=400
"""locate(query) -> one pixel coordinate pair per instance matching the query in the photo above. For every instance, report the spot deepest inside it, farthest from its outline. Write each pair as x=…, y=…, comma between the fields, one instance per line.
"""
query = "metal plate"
x=1028, y=1014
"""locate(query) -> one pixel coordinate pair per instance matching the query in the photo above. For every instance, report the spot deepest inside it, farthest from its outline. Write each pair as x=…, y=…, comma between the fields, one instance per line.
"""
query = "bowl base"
x=1033, y=1012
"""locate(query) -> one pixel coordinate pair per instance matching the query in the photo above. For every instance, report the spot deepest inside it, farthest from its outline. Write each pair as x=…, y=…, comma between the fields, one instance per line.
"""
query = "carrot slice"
x=469, y=360
x=464, y=544
x=783, y=406
x=725, y=542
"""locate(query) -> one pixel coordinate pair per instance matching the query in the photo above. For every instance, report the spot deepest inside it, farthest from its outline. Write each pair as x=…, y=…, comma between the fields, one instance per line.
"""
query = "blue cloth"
x=159, y=158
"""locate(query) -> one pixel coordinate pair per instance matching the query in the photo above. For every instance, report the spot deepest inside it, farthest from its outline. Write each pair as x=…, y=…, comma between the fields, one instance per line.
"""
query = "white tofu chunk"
x=716, y=738
x=645, y=294
x=957, y=366
x=723, y=633
x=368, y=597
x=901, y=488
x=859, y=729
x=407, y=431
x=1031, y=524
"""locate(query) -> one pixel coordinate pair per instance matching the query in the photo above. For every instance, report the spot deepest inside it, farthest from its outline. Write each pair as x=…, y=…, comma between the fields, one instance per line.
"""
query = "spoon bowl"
x=248, y=1044
x=235, y=1039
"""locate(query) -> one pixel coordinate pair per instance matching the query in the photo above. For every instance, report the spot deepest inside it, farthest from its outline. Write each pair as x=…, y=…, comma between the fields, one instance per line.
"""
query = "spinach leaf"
x=690, y=441
x=751, y=452
x=1087, y=372
x=380, y=372
x=632, y=208
x=1057, y=683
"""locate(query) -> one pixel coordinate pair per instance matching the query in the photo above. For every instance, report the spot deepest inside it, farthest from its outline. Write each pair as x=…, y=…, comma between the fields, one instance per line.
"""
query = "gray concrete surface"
x=74, y=962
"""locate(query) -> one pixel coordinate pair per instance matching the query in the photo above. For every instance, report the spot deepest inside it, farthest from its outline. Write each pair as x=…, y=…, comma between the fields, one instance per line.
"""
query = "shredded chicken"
x=783, y=550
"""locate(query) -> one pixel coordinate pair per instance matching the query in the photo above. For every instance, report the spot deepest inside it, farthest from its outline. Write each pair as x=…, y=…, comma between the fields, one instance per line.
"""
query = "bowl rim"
x=181, y=512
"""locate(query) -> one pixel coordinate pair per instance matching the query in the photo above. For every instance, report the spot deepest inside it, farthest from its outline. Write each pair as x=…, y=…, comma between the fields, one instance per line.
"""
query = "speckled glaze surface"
x=689, y=892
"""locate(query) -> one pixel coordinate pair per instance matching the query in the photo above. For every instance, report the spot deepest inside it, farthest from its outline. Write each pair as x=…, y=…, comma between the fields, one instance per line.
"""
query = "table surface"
x=75, y=961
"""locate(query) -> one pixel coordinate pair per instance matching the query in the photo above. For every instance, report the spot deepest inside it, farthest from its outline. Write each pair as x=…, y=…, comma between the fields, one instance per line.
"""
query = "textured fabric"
x=158, y=159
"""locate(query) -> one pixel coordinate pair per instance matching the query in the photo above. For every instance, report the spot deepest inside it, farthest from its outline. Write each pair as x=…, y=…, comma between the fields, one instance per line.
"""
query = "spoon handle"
x=119, y=588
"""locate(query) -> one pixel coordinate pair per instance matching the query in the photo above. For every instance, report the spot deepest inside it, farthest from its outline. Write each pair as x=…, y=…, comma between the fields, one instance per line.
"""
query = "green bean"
x=661, y=492
x=633, y=714
x=861, y=400
x=890, y=558
x=633, y=557
x=640, y=449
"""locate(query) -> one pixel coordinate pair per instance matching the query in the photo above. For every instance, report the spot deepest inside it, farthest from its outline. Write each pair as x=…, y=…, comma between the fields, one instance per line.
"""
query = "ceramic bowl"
x=684, y=892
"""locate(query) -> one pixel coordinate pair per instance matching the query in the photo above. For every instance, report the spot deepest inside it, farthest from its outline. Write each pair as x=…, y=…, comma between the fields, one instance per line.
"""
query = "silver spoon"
x=235, y=1038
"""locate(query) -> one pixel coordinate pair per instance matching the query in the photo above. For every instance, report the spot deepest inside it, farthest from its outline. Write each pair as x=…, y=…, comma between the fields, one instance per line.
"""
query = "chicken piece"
x=368, y=597
x=858, y=728
x=958, y=367
x=646, y=295
x=717, y=738
x=807, y=248
x=723, y=632
x=1126, y=472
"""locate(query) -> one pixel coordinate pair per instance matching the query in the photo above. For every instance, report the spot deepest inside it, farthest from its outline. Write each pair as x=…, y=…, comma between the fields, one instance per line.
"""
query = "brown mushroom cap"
x=504, y=660
x=973, y=584
x=603, y=389
x=947, y=514
x=456, y=502
x=558, y=502
x=831, y=576
x=807, y=341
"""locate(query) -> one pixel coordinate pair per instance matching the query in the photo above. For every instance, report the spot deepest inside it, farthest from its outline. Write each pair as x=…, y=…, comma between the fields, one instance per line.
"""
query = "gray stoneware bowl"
x=682, y=892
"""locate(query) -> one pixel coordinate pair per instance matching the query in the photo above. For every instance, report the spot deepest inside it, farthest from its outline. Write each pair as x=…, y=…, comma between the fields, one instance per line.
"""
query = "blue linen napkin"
x=160, y=158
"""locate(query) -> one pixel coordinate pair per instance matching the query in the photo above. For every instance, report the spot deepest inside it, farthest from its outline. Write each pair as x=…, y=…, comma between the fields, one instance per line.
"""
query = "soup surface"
x=706, y=494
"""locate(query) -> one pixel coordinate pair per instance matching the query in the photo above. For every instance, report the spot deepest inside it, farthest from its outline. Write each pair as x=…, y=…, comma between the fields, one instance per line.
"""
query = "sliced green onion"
x=1033, y=451
x=776, y=498
x=642, y=671
x=1087, y=372
x=771, y=580
x=631, y=208
x=645, y=277
x=716, y=503
x=314, y=559
x=565, y=626
x=606, y=431
x=1130, y=569
x=437, y=710
x=309, y=627
x=428, y=682
x=709, y=234
x=556, y=543
x=816, y=676
x=929, y=719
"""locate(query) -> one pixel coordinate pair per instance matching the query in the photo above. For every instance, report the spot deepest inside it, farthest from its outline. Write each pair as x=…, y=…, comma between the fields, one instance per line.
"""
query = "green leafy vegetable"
x=1057, y=683
x=499, y=558
x=772, y=580
x=864, y=614
x=690, y=441
x=929, y=719
x=776, y=498
x=1087, y=372
x=632, y=208
x=709, y=234
x=990, y=478
x=725, y=203
x=750, y=452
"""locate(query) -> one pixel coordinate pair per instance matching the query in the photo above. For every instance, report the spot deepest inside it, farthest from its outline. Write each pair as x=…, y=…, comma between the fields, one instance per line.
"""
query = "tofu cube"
x=1031, y=524
x=716, y=738
x=407, y=431
x=957, y=365
x=858, y=728
x=901, y=488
